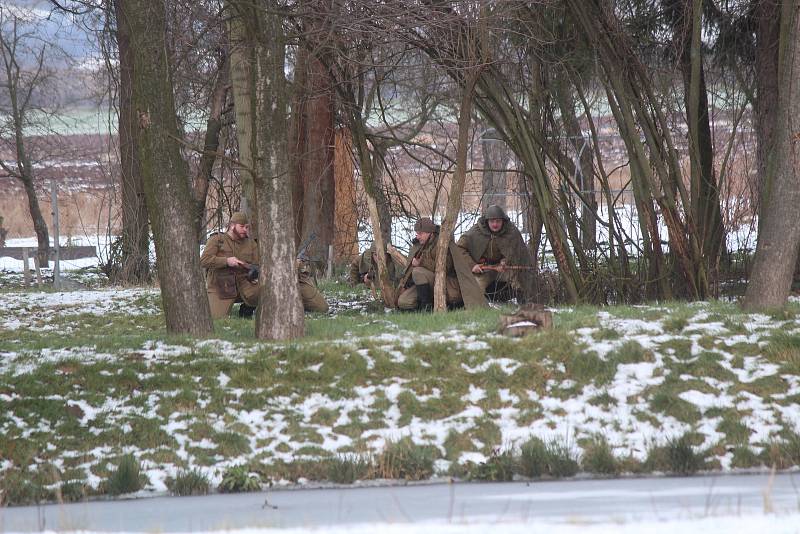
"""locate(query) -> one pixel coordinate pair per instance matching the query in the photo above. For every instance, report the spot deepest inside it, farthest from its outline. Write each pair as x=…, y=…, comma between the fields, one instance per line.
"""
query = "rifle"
x=500, y=267
x=409, y=269
x=301, y=252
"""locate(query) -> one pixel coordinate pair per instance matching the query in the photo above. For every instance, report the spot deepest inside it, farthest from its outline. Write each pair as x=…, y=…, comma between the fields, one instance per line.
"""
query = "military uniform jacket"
x=222, y=246
x=482, y=245
x=457, y=266
x=366, y=265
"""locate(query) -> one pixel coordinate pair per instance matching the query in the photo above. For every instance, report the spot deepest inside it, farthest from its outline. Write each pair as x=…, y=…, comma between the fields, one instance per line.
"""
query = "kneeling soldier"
x=492, y=244
x=227, y=258
x=460, y=286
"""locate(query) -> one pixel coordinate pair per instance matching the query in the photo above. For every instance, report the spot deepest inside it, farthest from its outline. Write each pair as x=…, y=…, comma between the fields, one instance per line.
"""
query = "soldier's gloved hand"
x=477, y=269
x=253, y=274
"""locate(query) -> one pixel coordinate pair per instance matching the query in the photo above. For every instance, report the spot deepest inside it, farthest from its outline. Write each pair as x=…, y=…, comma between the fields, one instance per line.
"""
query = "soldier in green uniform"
x=460, y=287
x=312, y=298
x=227, y=259
x=364, y=269
x=491, y=244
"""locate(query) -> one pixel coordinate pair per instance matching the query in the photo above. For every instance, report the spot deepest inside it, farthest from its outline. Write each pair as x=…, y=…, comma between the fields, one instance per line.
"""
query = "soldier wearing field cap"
x=460, y=286
x=227, y=259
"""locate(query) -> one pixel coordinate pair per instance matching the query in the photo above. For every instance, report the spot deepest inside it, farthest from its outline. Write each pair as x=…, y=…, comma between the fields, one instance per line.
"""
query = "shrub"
x=346, y=469
x=563, y=461
x=72, y=491
x=782, y=453
x=744, y=457
x=21, y=487
x=555, y=458
x=533, y=458
x=126, y=478
x=598, y=458
x=677, y=456
x=405, y=460
x=189, y=483
x=238, y=479
x=499, y=467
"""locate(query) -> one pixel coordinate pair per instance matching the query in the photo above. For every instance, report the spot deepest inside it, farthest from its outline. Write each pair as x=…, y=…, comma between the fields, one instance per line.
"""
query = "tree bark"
x=219, y=96
x=241, y=65
x=20, y=86
x=165, y=173
x=280, y=311
x=454, y=197
x=767, y=14
x=135, y=238
x=779, y=233
x=495, y=160
x=687, y=25
x=345, y=241
x=319, y=191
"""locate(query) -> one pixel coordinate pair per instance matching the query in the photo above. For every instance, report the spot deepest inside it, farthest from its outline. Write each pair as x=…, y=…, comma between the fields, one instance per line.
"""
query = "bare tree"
x=280, y=311
x=25, y=77
x=165, y=172
x=779, y=233
x=135, y=231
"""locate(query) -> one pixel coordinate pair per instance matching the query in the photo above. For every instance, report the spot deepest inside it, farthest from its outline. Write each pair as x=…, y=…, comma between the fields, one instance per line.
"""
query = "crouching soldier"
x=498, y=257
x=364, y=269
x=313, y=300
x=417, y=289
x=228, y=258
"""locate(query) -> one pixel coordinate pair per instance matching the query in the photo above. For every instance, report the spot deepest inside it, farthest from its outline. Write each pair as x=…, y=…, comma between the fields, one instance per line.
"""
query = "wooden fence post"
x=56, y=238
x=26, y=271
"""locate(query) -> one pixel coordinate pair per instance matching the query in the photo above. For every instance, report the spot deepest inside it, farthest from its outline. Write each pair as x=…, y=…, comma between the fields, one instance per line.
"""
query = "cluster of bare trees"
x=275, y=80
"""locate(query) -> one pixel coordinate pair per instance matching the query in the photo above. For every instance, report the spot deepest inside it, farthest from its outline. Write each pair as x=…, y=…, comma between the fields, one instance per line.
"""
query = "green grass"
x=126, y=478
x=204, y=404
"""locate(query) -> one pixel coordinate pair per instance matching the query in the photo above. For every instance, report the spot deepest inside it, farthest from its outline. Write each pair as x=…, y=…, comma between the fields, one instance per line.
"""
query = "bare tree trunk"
x=20, y=86
x=205, y=170
x=584, y=168
x=358, y=128
x=495, y=160
x=280, y=311
x=381, y=199
x=345, y=241
x=767, y=14
x=241, y=65
x=779, y=233
x=319, y=192
x=165, y=173
x=135, y=236
x=297, y=140
x=454, y=197
x=687, y=24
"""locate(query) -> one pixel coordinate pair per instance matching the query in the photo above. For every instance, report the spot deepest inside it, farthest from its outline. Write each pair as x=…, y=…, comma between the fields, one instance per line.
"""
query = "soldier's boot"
x=455, y=305
x=424, y=297
x=245, y=311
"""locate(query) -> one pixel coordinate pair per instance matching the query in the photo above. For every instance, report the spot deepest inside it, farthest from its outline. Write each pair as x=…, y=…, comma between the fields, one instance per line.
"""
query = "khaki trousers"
x=313, y=300
x=248, y=292
x=408, y=298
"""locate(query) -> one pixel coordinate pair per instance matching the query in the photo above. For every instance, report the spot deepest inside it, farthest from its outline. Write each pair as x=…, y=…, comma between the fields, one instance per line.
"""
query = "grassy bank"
x=98, y=399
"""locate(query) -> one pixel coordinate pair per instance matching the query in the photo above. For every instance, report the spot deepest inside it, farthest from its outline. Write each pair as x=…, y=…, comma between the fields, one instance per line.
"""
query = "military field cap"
x=495, y=212
x=425, y=224
x=239, y=218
